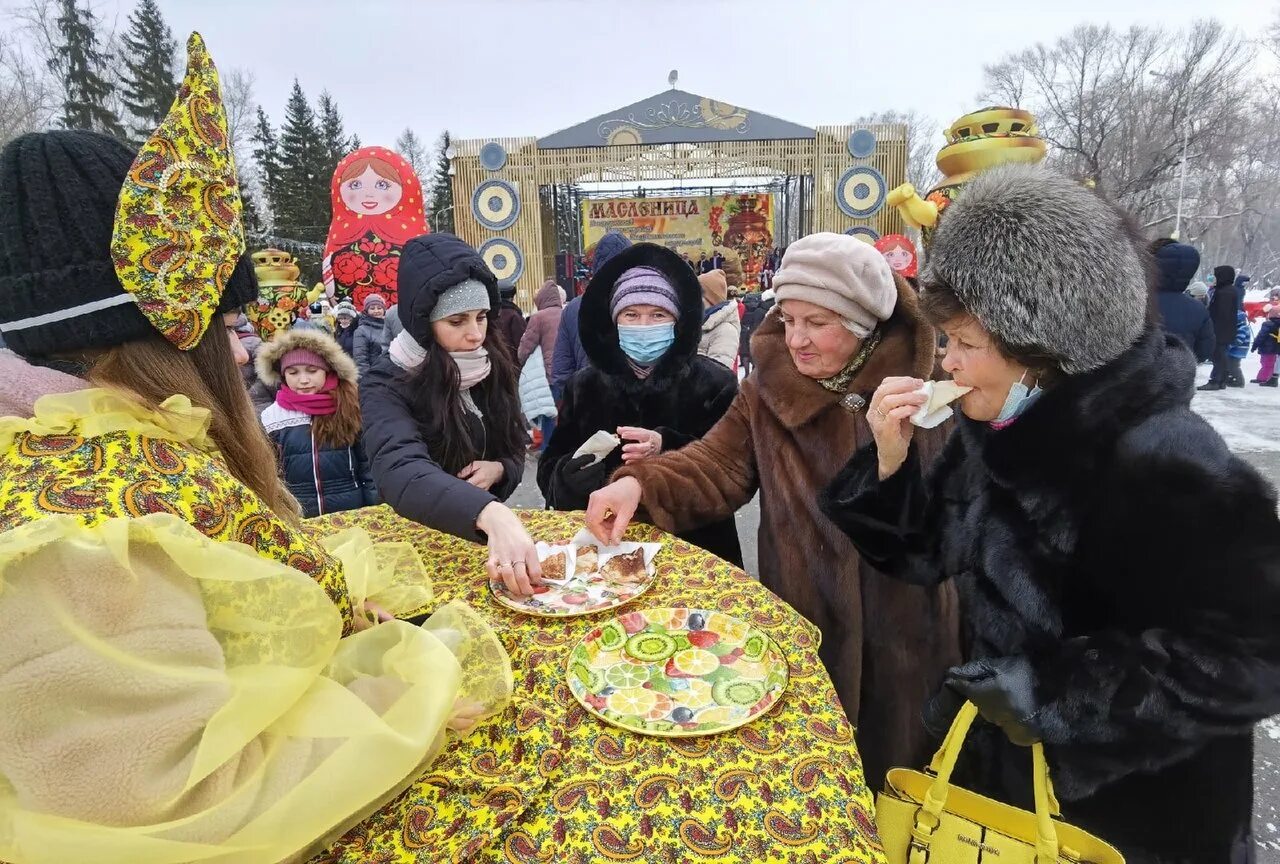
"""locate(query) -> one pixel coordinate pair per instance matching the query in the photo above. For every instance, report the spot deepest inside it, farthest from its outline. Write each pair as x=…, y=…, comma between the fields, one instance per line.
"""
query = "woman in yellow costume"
x=185, y=674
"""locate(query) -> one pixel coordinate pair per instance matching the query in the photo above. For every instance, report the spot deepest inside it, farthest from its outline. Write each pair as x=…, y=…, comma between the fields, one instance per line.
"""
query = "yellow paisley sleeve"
x=96, y=456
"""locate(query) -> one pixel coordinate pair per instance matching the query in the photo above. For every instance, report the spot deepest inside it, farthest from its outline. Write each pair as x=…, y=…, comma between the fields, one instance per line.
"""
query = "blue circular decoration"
x=863, y=233
x=862, y=144
x=495, y=204
x=503, y=257
x=861, y=192
x=493, y=156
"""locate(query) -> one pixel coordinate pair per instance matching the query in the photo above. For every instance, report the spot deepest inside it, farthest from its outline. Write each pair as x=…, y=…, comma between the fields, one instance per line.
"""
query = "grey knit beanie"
x=1042, y=262
x=467, y=296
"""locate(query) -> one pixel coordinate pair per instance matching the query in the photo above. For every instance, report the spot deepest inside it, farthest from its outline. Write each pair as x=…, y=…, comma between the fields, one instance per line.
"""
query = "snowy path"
x=1249, y=418
x=1249, y=421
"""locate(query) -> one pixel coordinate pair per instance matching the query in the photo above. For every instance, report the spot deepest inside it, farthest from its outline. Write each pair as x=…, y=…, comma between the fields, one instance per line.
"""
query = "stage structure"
x=520, y=201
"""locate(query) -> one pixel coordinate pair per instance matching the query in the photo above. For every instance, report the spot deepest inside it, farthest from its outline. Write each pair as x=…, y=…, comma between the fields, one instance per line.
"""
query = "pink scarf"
x=319, y=404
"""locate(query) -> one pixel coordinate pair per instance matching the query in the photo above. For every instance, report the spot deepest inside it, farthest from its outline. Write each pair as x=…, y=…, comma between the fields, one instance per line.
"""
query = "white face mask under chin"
x=1018, y=401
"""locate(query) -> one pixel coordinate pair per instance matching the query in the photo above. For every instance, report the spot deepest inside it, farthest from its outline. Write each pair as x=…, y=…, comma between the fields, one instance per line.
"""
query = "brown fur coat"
x=885, y=644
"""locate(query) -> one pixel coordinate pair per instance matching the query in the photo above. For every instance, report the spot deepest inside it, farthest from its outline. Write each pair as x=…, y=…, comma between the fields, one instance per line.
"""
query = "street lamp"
x=1182, y=180
x=435, y=217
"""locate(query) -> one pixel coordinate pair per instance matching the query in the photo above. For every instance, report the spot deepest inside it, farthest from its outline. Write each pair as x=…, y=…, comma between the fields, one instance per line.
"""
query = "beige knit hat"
x=841, y=273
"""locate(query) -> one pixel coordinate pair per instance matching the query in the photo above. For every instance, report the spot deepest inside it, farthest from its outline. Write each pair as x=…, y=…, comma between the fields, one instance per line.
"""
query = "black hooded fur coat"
x=1109, y=537
x=681, y=399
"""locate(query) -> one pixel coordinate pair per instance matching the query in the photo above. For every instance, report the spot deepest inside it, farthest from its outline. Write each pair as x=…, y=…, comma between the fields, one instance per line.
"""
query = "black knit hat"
x=58, y=287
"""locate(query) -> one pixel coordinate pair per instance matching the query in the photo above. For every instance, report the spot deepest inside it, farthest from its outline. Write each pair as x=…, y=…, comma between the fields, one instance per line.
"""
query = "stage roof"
x=675, y=117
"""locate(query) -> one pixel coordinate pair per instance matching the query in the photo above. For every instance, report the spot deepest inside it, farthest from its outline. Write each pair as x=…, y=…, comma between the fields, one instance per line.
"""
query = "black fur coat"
x=1109, y=537
x=681, y=399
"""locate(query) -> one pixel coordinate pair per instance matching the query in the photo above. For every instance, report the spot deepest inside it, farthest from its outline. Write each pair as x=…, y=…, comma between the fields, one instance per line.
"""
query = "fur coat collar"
x=797, y=399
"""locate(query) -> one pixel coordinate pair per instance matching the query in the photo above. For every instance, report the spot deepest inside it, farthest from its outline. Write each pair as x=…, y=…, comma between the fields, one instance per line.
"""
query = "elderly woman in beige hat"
x=842, y=324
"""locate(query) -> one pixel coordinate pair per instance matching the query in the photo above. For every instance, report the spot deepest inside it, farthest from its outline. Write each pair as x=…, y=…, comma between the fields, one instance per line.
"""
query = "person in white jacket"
x=721, y=326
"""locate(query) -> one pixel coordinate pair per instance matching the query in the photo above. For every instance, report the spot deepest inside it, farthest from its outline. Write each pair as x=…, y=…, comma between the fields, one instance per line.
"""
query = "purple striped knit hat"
x=644, y=286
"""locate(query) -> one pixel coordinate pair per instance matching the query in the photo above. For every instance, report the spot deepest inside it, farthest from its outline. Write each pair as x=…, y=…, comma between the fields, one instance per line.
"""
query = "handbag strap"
x=929, y=816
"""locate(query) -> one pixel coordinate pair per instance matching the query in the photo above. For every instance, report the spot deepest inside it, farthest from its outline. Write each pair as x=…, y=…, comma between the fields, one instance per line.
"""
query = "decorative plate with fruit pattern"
x=677, y=672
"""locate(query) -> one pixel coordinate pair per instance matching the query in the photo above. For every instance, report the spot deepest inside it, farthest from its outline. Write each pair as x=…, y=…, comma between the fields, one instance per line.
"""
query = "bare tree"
x=237, y=96
x=410, y=146
x=1115, y=105
x=1125, y=109
x=28, y=101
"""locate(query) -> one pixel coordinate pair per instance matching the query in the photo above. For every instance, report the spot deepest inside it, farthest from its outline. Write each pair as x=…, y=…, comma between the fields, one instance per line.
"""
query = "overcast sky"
x=485, y=68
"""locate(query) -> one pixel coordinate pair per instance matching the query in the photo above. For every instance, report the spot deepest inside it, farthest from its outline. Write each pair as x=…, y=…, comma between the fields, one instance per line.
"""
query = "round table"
x=544, y=781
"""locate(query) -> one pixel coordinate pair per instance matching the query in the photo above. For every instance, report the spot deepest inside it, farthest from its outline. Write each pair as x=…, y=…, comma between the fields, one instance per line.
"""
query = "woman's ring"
x=883, y=416
x=519, y=564
x=501, y=564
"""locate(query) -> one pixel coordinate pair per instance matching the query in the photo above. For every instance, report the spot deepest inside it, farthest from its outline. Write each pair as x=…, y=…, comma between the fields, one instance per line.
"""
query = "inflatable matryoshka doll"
x=377, y=208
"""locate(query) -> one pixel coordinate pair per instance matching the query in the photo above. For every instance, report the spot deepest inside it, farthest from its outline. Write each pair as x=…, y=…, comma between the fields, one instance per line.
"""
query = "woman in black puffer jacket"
x=315, y=422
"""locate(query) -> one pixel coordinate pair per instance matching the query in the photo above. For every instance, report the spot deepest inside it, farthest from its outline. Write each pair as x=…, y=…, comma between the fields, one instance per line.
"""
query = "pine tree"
x=250, y=214
x=442, y=187
x=149, y=81
x=81, y=66
x=302, y=211
x=266, y=155
x=336, y=142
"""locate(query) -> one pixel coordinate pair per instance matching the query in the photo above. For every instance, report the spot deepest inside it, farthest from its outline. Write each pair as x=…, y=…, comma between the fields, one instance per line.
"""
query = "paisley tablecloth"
x=546, y=782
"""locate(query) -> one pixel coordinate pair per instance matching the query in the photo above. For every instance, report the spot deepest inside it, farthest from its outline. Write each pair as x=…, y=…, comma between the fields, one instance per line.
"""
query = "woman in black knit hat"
x=441, y=411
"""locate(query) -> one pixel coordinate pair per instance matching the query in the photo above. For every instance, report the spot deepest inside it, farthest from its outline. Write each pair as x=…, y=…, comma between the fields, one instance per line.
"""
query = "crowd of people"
x=1075, y=551
x=1211, y=318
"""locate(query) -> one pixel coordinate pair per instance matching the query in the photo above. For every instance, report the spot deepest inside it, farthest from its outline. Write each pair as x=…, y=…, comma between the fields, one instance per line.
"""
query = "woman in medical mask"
x=1118, y=567
x=640, y=322
x=842, y=324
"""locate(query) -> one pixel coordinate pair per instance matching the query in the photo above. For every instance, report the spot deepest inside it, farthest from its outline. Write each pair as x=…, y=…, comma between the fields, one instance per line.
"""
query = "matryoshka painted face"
x=371, y=194
x=898, y=258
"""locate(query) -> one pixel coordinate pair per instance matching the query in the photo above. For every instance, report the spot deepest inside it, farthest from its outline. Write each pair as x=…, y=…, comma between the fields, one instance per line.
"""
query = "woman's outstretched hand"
x=513, y=560
x=889, y=415
x=610, y=510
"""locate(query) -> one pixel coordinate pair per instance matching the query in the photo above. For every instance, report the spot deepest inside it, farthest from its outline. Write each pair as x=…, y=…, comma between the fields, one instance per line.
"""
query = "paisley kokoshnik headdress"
x=178, y=232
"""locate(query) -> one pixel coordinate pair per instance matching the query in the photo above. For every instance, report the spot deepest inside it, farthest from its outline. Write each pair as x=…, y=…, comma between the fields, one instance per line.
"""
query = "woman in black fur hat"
x=1118, y=567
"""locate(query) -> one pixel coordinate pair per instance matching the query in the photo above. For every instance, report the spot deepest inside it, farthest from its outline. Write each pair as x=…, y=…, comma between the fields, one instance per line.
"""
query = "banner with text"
x=691, y=225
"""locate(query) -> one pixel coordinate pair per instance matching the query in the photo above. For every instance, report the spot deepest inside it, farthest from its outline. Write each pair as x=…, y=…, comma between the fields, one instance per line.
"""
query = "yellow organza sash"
x=168, y=698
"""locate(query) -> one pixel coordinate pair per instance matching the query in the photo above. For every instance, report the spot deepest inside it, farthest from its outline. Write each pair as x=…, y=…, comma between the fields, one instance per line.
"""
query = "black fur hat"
x=1043, y=263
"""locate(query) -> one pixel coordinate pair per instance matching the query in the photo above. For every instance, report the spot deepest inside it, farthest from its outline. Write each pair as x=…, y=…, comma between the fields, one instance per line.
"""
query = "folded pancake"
x=598, y=446
x=940, y=395
x=554, y=566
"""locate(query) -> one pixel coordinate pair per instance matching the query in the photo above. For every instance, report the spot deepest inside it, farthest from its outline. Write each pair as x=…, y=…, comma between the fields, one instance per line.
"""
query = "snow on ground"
x=1248, y=419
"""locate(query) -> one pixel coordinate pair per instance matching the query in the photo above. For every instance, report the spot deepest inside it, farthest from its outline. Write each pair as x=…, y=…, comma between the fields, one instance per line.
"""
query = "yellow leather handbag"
x=923, y=819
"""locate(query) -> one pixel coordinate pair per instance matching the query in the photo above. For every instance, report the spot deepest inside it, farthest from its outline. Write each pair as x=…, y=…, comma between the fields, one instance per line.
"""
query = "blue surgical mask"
x=645, y=344
x=1017, y=402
